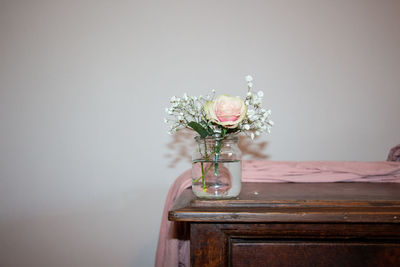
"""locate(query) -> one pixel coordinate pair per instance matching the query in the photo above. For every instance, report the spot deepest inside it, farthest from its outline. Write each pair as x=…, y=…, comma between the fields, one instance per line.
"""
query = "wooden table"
x=295, y=224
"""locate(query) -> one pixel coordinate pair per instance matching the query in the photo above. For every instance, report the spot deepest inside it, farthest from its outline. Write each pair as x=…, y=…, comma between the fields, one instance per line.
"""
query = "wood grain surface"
x=268, y=202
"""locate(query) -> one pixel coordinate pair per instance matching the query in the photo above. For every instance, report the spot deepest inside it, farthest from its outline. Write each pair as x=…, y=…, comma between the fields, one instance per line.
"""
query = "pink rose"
x=226, y=111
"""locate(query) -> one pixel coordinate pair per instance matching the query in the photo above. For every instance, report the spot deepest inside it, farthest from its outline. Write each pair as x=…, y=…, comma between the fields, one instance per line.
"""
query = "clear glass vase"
x=217, y=167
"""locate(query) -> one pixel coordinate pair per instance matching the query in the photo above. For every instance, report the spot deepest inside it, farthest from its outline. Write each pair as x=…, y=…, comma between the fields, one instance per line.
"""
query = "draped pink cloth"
x=394, y=154
x=173, y=252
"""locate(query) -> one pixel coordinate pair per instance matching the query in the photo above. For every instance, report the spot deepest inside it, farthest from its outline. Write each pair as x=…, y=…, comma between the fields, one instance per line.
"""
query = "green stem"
x=216, y=157
x=203, y=175
x=218, y=143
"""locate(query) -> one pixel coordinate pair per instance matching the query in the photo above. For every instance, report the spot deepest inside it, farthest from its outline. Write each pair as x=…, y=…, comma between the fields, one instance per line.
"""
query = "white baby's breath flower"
x=249, y=78
x=192, y=109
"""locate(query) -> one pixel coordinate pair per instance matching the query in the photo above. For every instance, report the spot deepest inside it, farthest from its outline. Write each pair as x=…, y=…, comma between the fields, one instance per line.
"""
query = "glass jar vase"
x=217, y=167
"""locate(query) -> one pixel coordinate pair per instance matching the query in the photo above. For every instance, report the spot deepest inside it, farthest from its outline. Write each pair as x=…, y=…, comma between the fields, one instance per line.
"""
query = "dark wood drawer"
x=295, y=244
x=245, y=253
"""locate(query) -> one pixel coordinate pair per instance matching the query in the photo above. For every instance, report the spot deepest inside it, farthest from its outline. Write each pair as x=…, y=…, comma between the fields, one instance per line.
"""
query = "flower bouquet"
x=217, y=120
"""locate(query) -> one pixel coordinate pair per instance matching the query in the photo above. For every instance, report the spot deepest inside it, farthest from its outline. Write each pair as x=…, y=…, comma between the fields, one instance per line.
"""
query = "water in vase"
x=222, y=178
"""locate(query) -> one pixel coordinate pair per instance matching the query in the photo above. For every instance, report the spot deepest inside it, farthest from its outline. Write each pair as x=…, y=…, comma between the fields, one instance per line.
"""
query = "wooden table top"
x=296, y=202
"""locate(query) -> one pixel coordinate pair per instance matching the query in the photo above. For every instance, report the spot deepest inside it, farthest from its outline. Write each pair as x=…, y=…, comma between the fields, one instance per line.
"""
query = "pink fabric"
x=394, y=154
x=320, y=171
x=172, y=252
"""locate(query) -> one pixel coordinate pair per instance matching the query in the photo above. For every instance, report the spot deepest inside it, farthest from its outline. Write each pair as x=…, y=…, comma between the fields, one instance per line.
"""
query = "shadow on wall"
x=255, y=149
x=182, y=145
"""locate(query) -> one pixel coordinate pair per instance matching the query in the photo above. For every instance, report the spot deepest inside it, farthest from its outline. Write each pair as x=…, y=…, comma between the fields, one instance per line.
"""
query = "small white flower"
x=249, y=78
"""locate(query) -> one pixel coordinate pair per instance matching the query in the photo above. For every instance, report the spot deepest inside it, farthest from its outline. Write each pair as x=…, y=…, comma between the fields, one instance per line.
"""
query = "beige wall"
x=85, y=161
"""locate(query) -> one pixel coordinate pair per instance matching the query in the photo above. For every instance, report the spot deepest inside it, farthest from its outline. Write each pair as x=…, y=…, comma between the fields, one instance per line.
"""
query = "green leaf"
x=205, y=126
x=198, y=128
x=223, y=133
x=229, y=131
